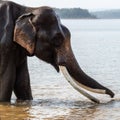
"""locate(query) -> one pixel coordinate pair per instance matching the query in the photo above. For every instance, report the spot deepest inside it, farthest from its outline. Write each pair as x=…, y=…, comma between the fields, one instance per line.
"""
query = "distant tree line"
x=74, y=13
x=107, y=14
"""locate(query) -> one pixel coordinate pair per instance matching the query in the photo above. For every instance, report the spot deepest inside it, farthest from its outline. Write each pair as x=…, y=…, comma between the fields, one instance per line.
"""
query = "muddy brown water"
x=96, y=44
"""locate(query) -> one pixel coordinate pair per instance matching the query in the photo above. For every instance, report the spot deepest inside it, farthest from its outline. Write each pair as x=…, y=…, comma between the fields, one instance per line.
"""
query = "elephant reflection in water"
x=26, y=31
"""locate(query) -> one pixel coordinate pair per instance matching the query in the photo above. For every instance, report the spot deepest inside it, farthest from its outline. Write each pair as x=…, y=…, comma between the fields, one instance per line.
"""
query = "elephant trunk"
x=67, y=59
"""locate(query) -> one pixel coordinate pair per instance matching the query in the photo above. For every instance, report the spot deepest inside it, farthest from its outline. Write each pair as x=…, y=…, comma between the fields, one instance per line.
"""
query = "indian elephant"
x=26, y=31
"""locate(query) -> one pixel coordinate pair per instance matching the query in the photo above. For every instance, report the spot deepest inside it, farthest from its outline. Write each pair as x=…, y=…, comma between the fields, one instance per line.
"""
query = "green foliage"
x=107, y=14
x=72, y=13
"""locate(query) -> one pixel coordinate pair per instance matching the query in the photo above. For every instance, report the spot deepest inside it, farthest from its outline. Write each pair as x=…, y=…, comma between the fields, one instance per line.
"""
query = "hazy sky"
x=86, y=4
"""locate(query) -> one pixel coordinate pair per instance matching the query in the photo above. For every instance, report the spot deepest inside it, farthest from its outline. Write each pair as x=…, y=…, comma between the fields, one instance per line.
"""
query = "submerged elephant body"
x=26, y=31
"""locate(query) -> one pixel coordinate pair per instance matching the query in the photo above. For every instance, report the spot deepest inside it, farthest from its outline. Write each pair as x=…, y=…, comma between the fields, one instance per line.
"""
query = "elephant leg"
x=6, y=87
x=22, y=88
x=7, y=79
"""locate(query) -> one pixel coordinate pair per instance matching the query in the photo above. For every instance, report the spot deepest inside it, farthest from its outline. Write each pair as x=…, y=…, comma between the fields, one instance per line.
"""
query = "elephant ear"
x=25, y=32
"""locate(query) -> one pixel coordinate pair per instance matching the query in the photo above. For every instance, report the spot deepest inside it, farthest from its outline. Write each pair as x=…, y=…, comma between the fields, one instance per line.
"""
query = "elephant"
x=29, y=31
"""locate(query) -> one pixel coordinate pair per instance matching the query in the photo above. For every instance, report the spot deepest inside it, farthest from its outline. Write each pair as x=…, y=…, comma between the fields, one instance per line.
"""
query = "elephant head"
x=41, y=33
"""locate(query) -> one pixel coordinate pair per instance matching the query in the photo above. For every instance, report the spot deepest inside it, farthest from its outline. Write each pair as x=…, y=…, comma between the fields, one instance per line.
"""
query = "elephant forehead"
x=43, y=10
x=48, y=16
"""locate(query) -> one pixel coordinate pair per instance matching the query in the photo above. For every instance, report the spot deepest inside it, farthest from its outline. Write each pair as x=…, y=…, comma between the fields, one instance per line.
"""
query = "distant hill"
x=107, y=14
x=74, y=13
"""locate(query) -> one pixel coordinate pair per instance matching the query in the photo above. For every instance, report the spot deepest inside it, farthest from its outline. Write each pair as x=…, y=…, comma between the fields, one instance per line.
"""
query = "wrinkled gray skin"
x=38, y=31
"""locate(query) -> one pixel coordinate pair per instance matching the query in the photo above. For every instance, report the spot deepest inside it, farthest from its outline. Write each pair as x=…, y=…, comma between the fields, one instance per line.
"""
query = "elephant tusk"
x=77, y=85
x=100, y=91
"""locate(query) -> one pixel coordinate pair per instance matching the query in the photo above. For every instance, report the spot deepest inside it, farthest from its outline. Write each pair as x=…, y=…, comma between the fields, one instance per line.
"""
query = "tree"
x=74, y=13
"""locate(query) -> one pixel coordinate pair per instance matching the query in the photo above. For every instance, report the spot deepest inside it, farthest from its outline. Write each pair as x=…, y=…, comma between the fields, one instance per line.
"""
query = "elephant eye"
x=58, y=40
x=42, y=22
